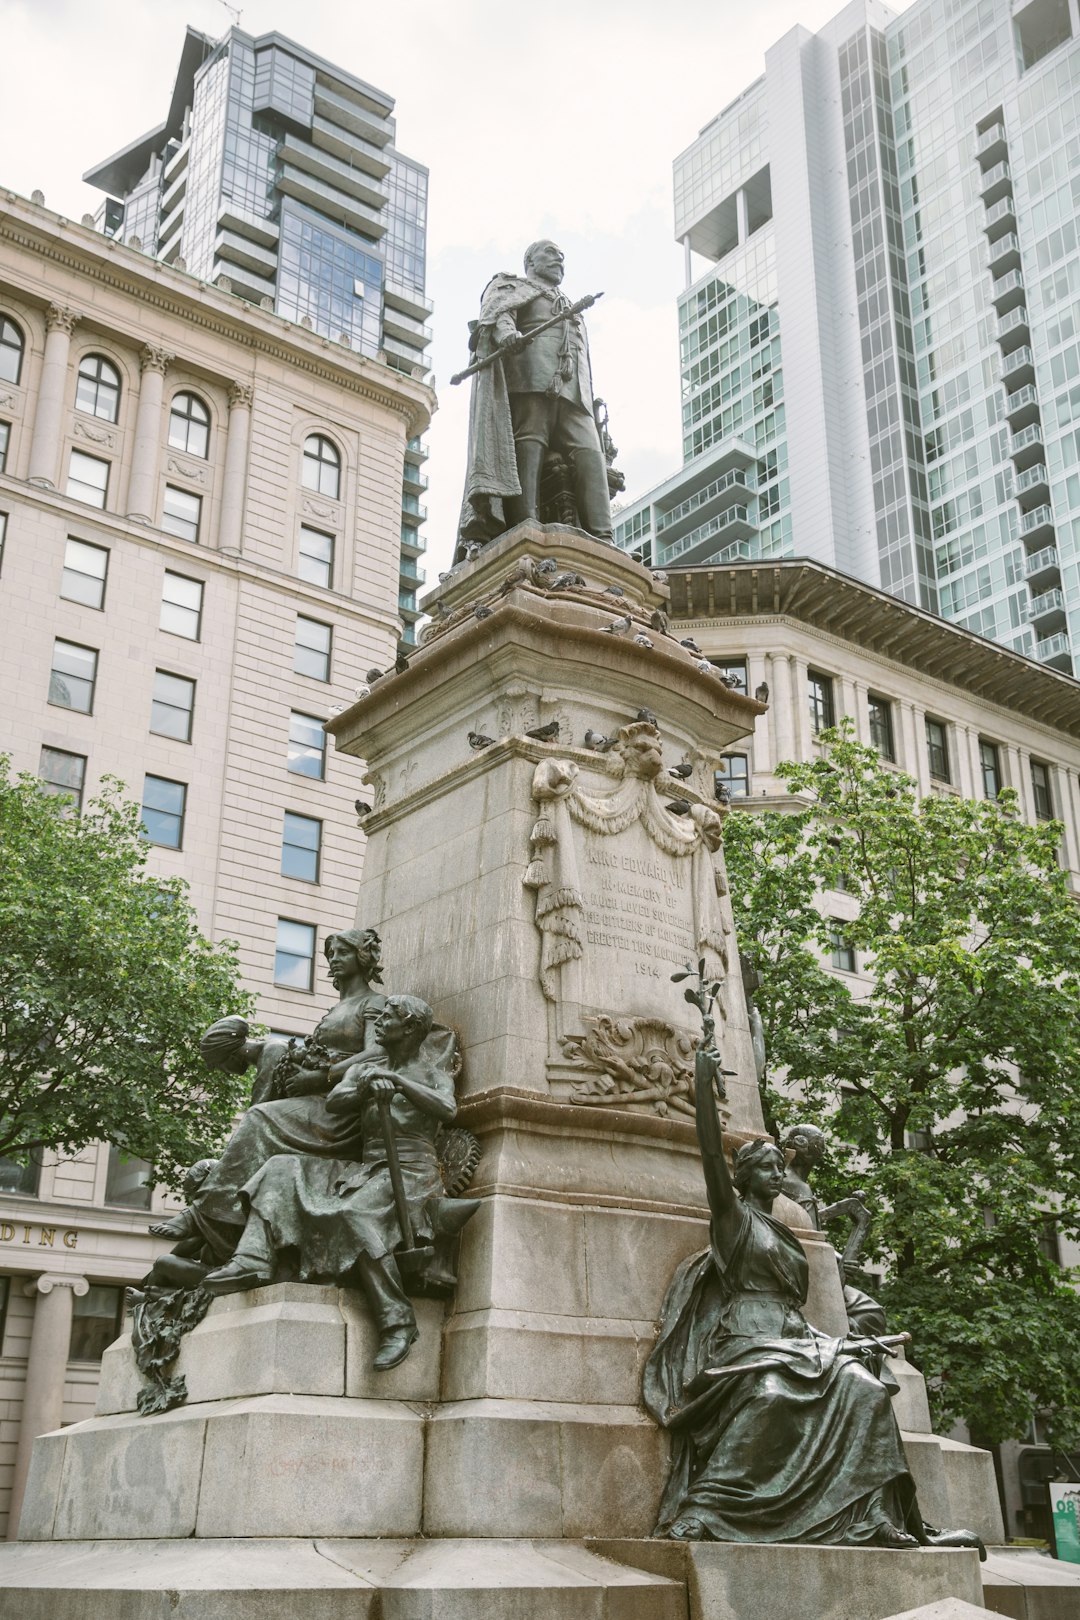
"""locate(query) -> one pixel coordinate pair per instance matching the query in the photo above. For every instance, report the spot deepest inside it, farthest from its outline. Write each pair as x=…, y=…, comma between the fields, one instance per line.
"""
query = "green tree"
x=949, y=1086
x=106, y=984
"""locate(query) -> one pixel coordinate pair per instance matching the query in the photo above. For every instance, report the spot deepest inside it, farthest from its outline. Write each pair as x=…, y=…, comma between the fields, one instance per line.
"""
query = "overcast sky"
x=557, y=119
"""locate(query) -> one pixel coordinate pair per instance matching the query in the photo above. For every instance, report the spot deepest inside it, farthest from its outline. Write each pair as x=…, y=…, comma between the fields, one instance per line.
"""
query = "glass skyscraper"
x=881, y=361
x=279, y=172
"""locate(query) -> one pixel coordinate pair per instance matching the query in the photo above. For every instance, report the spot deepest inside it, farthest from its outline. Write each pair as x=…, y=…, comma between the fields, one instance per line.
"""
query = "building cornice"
x=849, y=613
x=112, y=264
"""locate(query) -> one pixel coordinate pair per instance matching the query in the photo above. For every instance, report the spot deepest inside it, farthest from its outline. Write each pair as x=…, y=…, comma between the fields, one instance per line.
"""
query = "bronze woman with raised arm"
x=779, y=1433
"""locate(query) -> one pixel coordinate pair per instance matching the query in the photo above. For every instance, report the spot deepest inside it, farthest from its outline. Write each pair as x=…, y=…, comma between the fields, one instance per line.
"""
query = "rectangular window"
x=173, y=706
x=937, y=747
x=733, y=777
x=990, y=764
x=1040, y=787
x=125, y=1180
x=181, y=512
x=301, y=846
x=311, y=655
x=881, y=727
x=21, y=1179
x=181, y=606
x=843, y=952
x=85, y=568
x=820, y=691
x=88, y=479
x=307, y=746
x=63, y=774
x=96, y=1321
x=73, y=676
x=163, y=811
x=316, y=561
x=294, y=958
x=733, y=670
x=5, y=437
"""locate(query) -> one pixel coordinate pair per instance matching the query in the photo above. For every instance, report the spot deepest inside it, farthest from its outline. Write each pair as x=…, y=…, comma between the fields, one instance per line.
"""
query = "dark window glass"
x=733, y=777
x=311, y=655
x=11, y=351
x=72, y=678
x=181, y=512
x=843, y=952
x=96, y=1321
x=301, y=843
x=294, y=958
x=990, y=764
x=189, y=425
x=125, y=1180
x=85, y=568
x=322, y=466
x=88, y=479
x=3, y=535
x=316, y=562
x=307, y=745
x=181, y=606
x=1040, y=787
x=5, y=435
x=733, y=670
x=16, y=1177
x=97, y=391
x=937, y=747
x=63, y=774
x=820, y=692
x=1049, y=1244
x=173, y=706
x=163, y=811
x=881, y=727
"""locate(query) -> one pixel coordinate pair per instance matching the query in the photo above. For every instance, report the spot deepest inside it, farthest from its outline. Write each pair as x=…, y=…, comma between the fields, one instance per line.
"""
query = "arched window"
x=11, y=350
x=322, y=466
x=189, y=425
x=98, y=391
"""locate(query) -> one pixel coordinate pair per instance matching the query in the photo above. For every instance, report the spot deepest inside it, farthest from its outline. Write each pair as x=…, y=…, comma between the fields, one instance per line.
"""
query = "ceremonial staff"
x=526, y=337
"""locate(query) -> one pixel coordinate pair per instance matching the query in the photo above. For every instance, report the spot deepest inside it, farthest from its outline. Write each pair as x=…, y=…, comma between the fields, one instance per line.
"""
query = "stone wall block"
x=132, y=1477
x=417, y=1378
x=524, y=1355
x=42, y=1492
x=971, y=1483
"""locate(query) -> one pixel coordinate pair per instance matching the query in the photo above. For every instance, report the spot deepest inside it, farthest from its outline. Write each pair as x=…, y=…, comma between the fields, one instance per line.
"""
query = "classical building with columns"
x=200, y=514
x=958, y=713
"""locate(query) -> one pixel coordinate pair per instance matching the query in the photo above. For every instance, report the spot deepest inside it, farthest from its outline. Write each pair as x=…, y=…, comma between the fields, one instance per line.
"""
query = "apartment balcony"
x=1018, y=366
x=413, y=543
x=331, y=171
x=403, y=356
x=1056, y=651
x=1007, y=291
x=240, y=250
x=702, y=543
x=1032, y=486
x=1047, y=612
x=175, y=192
x=330, y=200
x=995, y=183
x=732, y=487
x=244, y=282
x=416, y=450
x=1027, y=446
x=350, y=147
x=370, y=126
x=176, y=163
x=1013, y=328
x=407, y=607
x=406, y=330
x=410, y=575
x=413, y=479
x=991, y=145
x=254, y=226
x=1001, y=217
x=412, y=511
x=1022, y=408
x=1043, y=569
x=1037, y=526
x=1004, y=253
x=407, y=300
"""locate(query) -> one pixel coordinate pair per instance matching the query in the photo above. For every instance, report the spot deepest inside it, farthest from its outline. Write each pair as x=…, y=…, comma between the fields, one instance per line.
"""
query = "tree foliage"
x=106, y=985
x=949, y=1085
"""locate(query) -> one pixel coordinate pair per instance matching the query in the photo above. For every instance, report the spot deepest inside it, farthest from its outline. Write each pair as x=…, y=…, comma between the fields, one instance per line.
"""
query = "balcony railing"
x=1058, y=646
x=1015, y=321
x=1005, y=208
x=1027, y=445
x=990, y=139
x=1022, y=406
x=1041, y=562
x=1007, y=290
x=1041, y=517
x=995, y=181
x=1050, y=602
x=1031, y=478
x=739, y=478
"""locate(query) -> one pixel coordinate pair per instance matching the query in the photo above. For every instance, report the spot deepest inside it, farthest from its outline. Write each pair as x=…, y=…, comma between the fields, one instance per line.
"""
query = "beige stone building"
x=960, y=714
x=200, y=514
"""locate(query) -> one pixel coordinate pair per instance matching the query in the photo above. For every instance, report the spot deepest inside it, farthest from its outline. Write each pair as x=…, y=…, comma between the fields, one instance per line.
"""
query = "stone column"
x=977, y=789
x=142, y=490
x=48, y=418
x=965, y=781
x=800, y=707
x=919, y=764
x=756, y=672
x=1023, y=783
x=780, y=715
x=46, y=1369
x=1063, y=810
x=234, y=481
x=849, y=701
x=862, y=711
